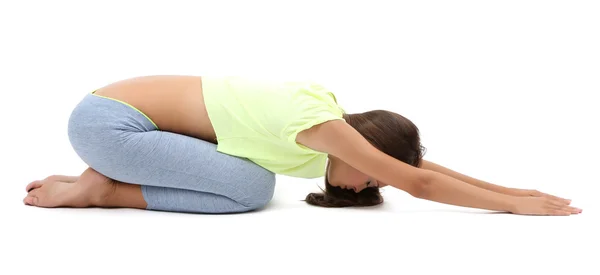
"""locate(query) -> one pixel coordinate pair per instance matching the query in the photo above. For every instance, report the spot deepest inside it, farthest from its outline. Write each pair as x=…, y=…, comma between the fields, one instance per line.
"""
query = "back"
x=260, y=119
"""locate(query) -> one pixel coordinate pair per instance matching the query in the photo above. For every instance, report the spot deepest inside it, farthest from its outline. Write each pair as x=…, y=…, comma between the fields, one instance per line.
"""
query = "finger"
x=570, y=209
x=34, y=185
x=556, y=203
x=557, y=212
x=573, y=210
x=566, y=201
x=559, y=202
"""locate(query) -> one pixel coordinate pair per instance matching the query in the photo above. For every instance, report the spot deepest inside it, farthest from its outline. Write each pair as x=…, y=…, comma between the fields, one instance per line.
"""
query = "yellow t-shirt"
x=260, y=119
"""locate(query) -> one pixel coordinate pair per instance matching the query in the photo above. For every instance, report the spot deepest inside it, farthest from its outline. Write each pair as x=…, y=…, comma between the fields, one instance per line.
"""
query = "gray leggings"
x=176, y=172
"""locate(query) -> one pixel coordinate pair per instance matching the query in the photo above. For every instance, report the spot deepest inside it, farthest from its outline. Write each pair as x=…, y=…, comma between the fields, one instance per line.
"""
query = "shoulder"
x=310, y=104
x=340, y=139
x=331, y=137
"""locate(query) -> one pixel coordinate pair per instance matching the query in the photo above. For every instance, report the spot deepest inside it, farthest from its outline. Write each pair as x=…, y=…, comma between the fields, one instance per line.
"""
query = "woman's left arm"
x=428, y=165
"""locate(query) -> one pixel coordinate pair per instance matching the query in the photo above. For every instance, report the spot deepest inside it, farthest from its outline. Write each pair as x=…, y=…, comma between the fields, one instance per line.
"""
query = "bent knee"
x=88, y=128
x=260, y=193
x=257, y=203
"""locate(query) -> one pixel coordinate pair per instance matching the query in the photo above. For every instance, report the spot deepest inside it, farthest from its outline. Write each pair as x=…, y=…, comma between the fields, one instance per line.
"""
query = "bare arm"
x=428, y=165
x=341, y=140
x=462, y=177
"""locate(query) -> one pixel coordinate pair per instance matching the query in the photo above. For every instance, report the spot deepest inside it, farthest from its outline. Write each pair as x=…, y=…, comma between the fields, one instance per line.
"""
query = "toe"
x=28, y=200
x=31, y=198
x=34, y=185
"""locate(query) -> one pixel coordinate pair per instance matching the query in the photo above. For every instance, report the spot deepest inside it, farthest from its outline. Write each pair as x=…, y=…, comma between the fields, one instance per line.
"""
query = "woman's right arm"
x=341, y=140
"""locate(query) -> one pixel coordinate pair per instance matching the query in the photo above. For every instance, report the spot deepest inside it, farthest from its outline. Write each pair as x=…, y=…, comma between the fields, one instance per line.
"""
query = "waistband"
x=126, y=104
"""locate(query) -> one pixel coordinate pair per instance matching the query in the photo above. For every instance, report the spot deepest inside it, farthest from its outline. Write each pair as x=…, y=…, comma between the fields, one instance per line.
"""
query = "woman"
x=214, y=145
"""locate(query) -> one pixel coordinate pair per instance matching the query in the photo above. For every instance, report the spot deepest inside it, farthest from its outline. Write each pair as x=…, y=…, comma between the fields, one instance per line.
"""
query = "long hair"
x=387, y=131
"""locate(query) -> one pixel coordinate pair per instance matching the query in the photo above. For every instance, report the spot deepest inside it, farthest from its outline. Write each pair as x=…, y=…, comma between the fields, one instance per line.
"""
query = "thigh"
x=172, y=160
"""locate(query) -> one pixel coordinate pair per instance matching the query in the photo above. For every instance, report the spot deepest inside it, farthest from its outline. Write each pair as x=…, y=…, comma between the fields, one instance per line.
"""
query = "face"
x=345, y=176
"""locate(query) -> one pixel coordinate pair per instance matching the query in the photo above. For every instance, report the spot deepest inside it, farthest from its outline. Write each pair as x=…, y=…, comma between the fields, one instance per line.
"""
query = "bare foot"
x=87, y=190
x=39, y=183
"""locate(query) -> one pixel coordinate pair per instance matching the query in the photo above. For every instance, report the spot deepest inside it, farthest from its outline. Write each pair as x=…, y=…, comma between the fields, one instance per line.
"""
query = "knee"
x=86, y=131
x=263, y=189
x=76, y=127
x=256, y=203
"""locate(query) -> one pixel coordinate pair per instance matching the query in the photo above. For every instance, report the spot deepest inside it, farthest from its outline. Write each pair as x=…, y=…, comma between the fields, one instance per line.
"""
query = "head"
x=387, y=131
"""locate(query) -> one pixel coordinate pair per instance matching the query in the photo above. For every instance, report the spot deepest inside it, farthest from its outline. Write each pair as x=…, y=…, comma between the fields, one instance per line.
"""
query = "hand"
x=530, y=193
x=544, y=205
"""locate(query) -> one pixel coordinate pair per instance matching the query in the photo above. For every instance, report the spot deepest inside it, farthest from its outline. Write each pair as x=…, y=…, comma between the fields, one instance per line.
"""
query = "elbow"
x=421, y=187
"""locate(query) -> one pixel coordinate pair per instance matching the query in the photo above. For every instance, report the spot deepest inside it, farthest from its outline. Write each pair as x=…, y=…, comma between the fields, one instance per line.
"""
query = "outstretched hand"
x=533, y=202
x=544, y=206
x=531, y=193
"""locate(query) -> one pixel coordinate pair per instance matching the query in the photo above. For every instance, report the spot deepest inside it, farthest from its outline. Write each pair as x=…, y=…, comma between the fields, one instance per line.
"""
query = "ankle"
x=103, y=196
x=120, y=195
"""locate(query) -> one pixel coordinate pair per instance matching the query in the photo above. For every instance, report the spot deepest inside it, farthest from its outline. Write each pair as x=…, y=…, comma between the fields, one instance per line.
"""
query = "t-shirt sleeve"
x=311, y=105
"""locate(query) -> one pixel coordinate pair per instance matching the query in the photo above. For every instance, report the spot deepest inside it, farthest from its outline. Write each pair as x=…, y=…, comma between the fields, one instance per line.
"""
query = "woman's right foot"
x=39, y=183
x=87, y=190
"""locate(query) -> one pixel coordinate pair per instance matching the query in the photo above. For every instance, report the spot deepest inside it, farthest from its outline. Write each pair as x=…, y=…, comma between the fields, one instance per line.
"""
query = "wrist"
x=518, y=192
x=512, y=203
x=511, y=191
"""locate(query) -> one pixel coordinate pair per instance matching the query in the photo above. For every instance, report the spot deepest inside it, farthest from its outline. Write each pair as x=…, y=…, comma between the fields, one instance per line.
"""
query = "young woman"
x=214, y=145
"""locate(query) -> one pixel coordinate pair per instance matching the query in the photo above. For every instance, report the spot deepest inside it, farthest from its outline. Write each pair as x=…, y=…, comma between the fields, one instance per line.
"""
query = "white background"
x=501, y=90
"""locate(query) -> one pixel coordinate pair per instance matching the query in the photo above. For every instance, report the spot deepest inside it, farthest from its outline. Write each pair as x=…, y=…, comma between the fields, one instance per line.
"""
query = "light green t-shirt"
x=259, y=120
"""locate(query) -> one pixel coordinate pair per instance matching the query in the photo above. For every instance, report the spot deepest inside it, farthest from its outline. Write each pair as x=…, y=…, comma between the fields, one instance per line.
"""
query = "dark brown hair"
x=387, y=131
